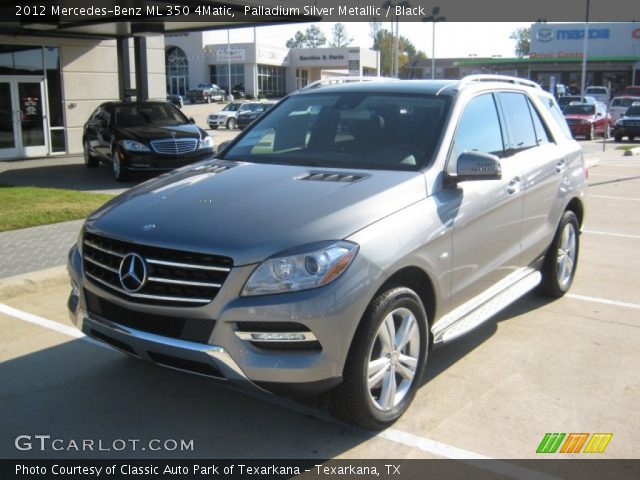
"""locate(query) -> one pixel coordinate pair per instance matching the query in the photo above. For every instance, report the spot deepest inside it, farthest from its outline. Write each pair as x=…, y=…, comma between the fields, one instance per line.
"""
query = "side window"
x=551, y=105
x=542, y=134
x=479, y=128
x=519, y=122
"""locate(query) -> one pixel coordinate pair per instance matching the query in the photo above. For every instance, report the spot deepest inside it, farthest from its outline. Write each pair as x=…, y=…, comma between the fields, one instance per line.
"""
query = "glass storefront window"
x=219, y=74
x=271, y=81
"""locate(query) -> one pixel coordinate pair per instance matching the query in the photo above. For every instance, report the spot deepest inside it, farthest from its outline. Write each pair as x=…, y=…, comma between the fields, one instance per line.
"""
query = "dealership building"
x=258, y=68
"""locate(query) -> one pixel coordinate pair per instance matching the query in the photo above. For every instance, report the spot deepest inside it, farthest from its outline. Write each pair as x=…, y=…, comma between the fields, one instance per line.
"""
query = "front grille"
x=173, y=277
x=191, y=329
x=571, y=121
x=634, y=123
x=175, y=146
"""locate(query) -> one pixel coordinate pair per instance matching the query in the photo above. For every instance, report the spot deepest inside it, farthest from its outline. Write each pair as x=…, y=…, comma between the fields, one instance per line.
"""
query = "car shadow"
x=73, y=176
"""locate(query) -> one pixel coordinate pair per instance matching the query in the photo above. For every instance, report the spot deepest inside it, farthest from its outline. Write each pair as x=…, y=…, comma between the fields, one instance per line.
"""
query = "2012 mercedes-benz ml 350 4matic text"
x=335, y=242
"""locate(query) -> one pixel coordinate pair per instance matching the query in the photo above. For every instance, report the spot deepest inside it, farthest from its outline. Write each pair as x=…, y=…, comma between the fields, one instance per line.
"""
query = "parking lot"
x=540, y=366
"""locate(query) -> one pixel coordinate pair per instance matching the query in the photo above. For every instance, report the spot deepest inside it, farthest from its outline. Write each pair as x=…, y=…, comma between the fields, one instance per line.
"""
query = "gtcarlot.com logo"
x=44, y=443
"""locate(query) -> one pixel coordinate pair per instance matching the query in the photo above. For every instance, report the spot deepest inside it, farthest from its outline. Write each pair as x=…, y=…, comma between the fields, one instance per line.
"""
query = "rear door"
x=543, y=167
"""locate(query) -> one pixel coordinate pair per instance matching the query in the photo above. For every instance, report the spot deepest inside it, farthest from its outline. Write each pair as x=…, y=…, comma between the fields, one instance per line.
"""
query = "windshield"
x=137, y=115
x=232, y=107
x=357, y=130
x=633, y=111
x=624, y=102
x=253, y=107
x=580, y=109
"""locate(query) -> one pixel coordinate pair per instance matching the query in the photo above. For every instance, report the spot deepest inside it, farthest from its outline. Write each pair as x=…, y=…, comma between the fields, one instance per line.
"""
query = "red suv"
x=588, y=120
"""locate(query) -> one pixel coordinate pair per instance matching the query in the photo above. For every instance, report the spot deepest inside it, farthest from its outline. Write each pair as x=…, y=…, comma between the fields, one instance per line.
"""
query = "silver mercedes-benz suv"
x=335, y=242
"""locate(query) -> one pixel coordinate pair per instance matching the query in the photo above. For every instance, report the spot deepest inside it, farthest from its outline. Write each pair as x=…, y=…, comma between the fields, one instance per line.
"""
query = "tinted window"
x=596, y=90
x=349, y=129
x=148, y=114
x=552, y=107
x=479, y=128
x=633, y=111
x=519, y=122
x=542, y=134
x=580, y=109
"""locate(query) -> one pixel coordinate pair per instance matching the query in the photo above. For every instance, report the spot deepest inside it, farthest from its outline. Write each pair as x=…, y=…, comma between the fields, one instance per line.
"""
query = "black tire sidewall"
x=368, y=415
x=550, y=285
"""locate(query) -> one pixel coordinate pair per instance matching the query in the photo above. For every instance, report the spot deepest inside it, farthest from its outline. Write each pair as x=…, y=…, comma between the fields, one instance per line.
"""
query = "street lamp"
x=584, y=53
x=395, y=48
x=433, y=18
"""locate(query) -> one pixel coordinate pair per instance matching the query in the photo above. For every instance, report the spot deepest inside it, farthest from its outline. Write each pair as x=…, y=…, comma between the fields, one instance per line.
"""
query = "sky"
x=453, y=39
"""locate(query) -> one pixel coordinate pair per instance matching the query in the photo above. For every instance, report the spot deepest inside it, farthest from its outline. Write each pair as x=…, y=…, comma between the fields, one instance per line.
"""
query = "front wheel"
x=89, y=160
x=386, y=361
x=118, y=172
x=559, y=267
x=231, y=124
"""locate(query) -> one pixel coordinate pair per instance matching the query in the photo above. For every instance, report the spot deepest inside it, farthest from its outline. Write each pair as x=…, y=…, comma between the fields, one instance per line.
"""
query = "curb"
x=33, y=282
x=632, y=151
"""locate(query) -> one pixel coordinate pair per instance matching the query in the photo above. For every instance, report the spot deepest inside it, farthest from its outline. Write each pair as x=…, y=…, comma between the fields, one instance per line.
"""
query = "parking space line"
x=608, y=197
x=612, y=234
x=49, y=324
x=604, y=301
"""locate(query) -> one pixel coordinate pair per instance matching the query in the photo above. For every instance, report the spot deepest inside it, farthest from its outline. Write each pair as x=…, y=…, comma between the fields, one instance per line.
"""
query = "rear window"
x=624, y=101
x=349, y=129
x=553, y=108
x=597, y=90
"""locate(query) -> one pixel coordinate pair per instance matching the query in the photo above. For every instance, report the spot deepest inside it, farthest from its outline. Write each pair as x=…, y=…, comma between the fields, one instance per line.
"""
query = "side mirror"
x=222, y=146
x=191, y=120
x=473, y=166
x=621, y=115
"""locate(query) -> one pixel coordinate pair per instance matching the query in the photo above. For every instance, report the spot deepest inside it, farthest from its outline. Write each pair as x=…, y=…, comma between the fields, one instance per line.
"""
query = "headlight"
x=306, y=267
x=133, y=146
x=206, y=142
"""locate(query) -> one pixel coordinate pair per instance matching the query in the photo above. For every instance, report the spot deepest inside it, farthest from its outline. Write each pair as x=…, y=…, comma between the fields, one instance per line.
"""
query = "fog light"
x=278, y=337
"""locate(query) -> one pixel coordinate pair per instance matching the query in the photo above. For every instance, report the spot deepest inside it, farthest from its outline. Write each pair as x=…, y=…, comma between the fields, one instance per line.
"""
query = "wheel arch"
x=417, y=280
x=577, y=207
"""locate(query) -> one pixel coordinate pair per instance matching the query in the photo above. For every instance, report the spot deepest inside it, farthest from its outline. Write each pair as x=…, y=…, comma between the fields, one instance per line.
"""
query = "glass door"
x=8, y=144
x=23, y=122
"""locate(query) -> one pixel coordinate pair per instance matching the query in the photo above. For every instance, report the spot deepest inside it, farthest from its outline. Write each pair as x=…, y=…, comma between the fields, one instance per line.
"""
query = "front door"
x=23, y=121
x=178, y=85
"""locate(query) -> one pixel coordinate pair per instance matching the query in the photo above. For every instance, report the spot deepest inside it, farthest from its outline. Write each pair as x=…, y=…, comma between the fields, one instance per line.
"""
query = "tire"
x=231, y=123
x=118, y=173
x=632, y=138
x=213, y=127
x=561, y=260
x=89, y=160
x=618, y=138
x=374, y=356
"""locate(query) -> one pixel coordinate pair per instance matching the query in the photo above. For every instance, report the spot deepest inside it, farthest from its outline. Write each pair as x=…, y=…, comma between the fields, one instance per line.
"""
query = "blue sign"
x=578, y=34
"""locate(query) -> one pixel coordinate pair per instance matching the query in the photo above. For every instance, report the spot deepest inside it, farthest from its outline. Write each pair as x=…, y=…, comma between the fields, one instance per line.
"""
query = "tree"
x=384, y=43
x=297, y=41
x=522, y=36
x=340, y=36
x=374, y=28
x=314, y=37
x=311, y=38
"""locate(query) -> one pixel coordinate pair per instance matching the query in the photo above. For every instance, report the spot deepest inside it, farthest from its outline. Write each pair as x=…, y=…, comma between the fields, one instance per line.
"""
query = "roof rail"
x=497, y=78
x=346, y=79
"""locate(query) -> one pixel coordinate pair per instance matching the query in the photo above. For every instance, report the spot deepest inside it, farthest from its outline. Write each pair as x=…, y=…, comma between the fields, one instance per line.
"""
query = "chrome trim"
x=175, y=146
x=184, y=282
x=187, y=265
x=101, y=265
x=308, y=337
x=102, y=249
x=221, y=358
x=146, y=296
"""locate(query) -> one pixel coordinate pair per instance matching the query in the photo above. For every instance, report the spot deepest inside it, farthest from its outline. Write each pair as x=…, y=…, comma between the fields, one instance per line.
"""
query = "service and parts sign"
x=566, y=40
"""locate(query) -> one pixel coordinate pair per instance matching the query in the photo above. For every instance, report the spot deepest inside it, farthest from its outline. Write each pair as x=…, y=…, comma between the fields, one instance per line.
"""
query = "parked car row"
x=238, y=114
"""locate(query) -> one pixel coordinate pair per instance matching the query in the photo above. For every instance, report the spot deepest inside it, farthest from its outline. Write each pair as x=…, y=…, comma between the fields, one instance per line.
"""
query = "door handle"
x=561, y=166
x=514, y=186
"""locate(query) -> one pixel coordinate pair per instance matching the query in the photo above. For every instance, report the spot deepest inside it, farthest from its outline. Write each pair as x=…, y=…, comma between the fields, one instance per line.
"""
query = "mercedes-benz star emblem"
x=132, y=272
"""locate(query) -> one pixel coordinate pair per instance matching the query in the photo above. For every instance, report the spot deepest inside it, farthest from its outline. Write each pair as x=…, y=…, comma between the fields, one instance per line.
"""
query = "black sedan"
x=250, y=111
x=143, y=136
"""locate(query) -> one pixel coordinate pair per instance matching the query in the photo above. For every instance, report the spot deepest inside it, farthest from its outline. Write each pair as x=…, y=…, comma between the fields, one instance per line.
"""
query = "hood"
x=250, y=212
x=150, y=132
x=224, y=113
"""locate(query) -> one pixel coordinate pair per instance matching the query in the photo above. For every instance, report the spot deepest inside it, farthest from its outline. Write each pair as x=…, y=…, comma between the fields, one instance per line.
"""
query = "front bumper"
x=580, y=129
x=331, y=313
x=626, y=131
x=218, y=122
x=150, y=161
